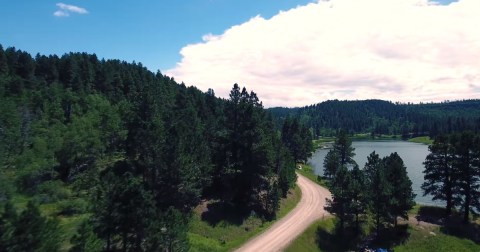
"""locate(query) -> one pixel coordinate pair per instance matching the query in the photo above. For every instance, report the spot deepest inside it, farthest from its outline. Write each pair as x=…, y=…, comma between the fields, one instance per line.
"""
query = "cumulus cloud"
x=399, y=50
x=64, y=10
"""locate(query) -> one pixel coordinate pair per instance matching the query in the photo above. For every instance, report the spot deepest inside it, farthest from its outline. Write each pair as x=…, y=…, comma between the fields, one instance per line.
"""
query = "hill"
x=105, y=155
x=383, y=117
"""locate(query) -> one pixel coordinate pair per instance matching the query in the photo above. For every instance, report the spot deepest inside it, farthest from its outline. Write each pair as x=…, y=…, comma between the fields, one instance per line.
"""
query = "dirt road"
x=308, y=210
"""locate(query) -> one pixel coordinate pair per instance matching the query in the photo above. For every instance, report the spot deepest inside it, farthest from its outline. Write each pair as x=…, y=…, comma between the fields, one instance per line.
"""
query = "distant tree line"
x=452, y=172
x=133, y=149
x=378, y=117
x=382, y=189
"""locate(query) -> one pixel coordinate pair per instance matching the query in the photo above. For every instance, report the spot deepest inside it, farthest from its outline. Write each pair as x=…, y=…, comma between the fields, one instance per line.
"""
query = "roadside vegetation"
x=307, y=171
x=223, y=228
x=420, y=228
x=417, y=236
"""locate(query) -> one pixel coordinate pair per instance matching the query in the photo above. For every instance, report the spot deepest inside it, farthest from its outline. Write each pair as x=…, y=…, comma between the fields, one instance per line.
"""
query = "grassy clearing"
x=368, y=136
x=308, y=240
x=322, y=142
x=423, y=139
x=416, y=236
x=68, y=227
x=230, y=231
x=432, y=239
x=68, y=224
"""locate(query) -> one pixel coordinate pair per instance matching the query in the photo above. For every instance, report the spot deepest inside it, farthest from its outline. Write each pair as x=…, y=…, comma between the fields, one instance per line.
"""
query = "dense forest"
x=131, y=150
x=378, y=117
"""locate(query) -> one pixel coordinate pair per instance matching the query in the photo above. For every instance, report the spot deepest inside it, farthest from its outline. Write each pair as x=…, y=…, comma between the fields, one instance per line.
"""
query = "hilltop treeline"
x=132, y=150
x=383, y=117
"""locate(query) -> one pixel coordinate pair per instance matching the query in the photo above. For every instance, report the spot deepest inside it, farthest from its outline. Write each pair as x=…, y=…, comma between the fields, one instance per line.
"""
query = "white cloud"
x=61, y=13
x=64, y=10
x=399, y=50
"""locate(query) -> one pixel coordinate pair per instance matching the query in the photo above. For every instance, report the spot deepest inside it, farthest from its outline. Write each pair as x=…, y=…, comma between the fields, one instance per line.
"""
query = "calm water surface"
x=413, y=155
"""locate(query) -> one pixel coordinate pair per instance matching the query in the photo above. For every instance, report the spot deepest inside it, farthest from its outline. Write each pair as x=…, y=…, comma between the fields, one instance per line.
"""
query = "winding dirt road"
x=308, y=210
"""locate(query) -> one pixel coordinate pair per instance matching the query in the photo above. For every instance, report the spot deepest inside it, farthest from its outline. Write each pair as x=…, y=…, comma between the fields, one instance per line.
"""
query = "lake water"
x=413, y=155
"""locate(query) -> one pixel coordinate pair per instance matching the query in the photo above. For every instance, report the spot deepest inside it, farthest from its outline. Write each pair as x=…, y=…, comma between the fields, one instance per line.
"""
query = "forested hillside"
x=130, y=151
x=383, y=117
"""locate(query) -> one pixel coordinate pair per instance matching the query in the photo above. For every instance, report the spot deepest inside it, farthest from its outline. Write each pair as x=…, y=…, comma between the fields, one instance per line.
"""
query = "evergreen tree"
x=378, y=189
x=331, y=164
x=341, y=154
x=439, y=176
x=357, y=195
x=297, y=138
x=340, y=202
x=85, y=240
x=344, y=149
x=123, y=209
x=402, y=196
x=467, y=169
x=7, y=227
x=33, y=232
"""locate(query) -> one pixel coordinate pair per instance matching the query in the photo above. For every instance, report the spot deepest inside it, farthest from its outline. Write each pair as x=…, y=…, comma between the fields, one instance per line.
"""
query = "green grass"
x=68, y=226
x=425, y=237
x=422, y=240
x=368, y=136
x=308, y=241
x=422, y=139
x=225, y=236
x=307, y=171
x=321, y=142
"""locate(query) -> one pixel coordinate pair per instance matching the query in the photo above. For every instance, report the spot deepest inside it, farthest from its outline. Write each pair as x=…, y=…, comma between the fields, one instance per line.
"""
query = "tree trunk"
x=356, y=223
x=108, y=242
x=449, y=204
x=467, y=205
x=124, y=241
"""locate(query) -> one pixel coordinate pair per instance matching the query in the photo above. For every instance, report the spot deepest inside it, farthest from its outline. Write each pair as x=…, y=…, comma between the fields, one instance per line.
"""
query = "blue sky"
x=147, y=31
x=314, y=50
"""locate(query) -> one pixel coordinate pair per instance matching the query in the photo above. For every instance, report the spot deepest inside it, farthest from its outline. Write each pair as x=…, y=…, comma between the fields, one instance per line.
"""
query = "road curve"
x=308, y=210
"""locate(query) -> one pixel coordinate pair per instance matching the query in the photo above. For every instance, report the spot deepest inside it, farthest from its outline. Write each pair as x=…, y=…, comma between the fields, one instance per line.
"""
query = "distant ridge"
x=385, y=117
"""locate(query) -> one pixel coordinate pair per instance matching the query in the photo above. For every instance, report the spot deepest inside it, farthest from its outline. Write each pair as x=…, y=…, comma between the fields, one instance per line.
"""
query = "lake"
x=413, y=155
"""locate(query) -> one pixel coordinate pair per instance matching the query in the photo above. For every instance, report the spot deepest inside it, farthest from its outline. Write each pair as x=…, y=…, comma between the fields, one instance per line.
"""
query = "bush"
x=51, y=191
x=72, y=206
x=6, y=190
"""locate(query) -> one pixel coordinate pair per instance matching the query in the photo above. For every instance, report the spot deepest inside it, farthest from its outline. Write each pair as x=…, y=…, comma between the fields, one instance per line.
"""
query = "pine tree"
x=357, y=195
x=402, y=196
x=331, y=164
x=340, y=202
x=7, y=226
x=33, y=232
x=85, y=240
x=466, y=166
x=297, y=138
x=344, y=149
x=378, y=188
x=439, y=176
x=341, y=155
